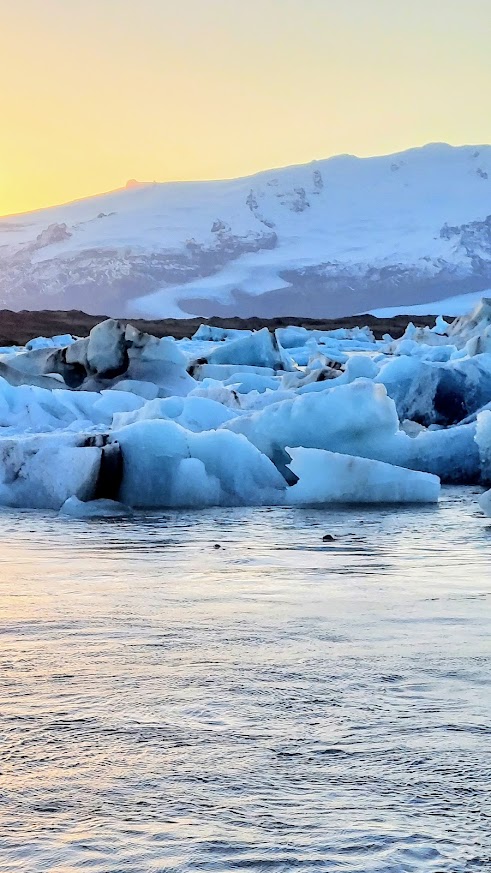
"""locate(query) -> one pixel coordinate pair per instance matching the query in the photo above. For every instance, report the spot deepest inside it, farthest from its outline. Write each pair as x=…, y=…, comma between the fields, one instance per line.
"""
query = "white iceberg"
x=329, y=477
x=100, y=508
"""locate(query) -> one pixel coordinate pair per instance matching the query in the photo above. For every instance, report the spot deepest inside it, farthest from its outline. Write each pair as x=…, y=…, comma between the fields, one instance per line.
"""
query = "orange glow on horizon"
x=94, y=94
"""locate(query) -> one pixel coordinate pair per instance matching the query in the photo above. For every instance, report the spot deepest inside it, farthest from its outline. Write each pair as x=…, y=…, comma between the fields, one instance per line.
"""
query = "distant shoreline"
x=17, y=328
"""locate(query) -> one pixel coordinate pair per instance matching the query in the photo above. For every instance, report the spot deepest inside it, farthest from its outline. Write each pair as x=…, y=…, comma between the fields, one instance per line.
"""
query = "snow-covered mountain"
x=330, y=238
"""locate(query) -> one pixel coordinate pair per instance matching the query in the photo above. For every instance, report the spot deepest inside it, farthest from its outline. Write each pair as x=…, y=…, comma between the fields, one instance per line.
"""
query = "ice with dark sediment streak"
x=232, y=417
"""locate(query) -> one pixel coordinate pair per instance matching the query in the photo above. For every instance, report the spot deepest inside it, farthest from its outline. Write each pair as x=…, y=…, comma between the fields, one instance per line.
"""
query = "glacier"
x=397, y=233
x=120, y=420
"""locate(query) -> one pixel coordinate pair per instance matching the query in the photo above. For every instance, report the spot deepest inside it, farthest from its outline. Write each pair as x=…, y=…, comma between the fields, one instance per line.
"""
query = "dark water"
x=277, y=704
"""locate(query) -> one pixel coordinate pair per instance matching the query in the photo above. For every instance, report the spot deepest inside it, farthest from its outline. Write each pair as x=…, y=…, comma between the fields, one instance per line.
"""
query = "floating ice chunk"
x=39, y=342
x=163, y=349
x=56, y=342
x=76, y=353
x=292, y=337
x=106, y=351
x=286, y=361
x=255, y=400
x=483, y=440
x=419, y=341
x=15, y=377
x=435, y=393
x=479, y=344
x=320, y=369
x=237, y=403
x=11, y=350
x=328, y=477
x=429, y=337
x=358, y=419
x=469, y=381
x=63, y=340
x=218, y=334
x=244, y=383
x=356, y=367
x=411, y=385
x=170, y=377
x=147, y=390
x=213, y=390
x=300, y=356
x=106, y=404
x=94, y=508
x=159, y=361
x=304, y=380
x=221, y=372
x=471, y=324
x=225, y=468
x=326, y=358
x=42, y=472
x=29, y=408
x=194, y=413
x=441, y=326
x=484, y=502
x=259, y=349
x=353, y=419
x=110, y=352
x=409, y=348
x=351, y=334
x=33, y=363
x=450, y=453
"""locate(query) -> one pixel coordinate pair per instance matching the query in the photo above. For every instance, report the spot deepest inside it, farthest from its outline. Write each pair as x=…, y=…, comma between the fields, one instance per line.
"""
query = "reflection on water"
x=276, y=703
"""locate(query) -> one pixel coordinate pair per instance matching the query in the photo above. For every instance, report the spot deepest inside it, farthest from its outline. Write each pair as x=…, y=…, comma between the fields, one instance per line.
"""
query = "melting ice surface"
x=280, y=703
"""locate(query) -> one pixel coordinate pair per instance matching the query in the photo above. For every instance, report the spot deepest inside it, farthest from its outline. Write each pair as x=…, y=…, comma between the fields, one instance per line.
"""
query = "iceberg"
x=91, y=426
x=43, y=472
x=329, y=477
x=166, y=465
x=260, y=349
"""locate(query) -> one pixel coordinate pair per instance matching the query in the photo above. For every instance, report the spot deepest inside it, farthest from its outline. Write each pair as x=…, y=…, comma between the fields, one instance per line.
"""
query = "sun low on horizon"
x=101, y=93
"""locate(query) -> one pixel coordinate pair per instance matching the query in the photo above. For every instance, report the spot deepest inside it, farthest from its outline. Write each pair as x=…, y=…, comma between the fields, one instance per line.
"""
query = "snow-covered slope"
x=331, y=238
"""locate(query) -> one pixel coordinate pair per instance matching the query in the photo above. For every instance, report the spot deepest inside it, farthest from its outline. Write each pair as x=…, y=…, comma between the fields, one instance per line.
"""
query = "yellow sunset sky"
x=96, y=92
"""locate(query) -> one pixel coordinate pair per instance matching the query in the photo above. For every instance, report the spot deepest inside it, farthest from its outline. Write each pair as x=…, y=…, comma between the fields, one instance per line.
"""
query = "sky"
x=96, y=92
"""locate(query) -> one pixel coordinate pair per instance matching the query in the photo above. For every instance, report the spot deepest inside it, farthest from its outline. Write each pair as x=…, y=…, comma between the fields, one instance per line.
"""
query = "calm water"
x=276, y=704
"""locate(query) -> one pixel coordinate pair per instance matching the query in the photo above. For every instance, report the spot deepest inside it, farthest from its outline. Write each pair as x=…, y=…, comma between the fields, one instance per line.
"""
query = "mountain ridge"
x=324, y=239
x=134, y=183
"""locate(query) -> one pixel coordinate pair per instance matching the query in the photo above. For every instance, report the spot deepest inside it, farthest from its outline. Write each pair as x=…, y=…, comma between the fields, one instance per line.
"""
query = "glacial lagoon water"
x=276, y=704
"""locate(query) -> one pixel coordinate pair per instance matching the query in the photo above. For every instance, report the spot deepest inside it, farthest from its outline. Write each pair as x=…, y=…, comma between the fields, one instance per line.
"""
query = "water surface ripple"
x=277, y=704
